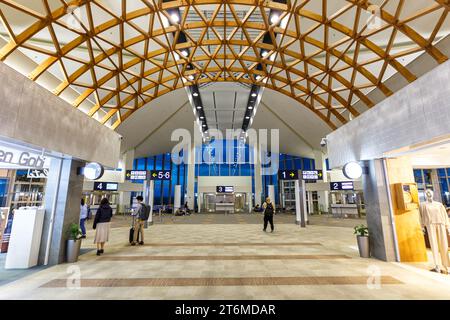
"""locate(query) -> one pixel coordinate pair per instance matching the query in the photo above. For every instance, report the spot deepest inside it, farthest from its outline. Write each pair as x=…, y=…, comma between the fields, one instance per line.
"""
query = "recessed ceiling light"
x=204, y=125
x=195, y=94
x=250, y=108
x=247, y=117
x=175, y=18
x=254, y=94
x=201, y=118
x=199, y=107
x=275, y=18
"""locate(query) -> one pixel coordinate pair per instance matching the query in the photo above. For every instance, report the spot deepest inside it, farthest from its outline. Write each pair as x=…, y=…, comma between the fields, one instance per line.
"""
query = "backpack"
x=269, y=209
x=144, y=213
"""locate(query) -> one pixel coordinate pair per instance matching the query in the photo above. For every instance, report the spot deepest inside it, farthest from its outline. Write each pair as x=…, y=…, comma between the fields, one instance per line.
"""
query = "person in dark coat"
x=102, y=224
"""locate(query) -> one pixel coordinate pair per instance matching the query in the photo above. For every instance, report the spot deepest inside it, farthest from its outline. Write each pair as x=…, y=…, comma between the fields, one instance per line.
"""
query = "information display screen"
x=312, y=175
x=136, y=175
x=160, y=175
x=342, y=186
x=224, y=189
x=106, y=186
x=288, y=175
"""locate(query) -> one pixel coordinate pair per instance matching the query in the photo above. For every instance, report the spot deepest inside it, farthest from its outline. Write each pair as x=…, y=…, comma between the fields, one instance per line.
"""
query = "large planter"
x=363, y=246
x=73, y=250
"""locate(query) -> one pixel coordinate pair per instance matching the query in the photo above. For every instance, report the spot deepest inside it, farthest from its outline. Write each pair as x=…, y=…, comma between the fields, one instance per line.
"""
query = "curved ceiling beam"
x=286, y=66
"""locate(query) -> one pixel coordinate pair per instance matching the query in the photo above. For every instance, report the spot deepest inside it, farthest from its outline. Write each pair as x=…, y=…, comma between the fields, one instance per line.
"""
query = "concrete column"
x=310, y=203
x=200, y=202
x=378, y=209
x=126, y=163
x=62, y=197
x=258, y=176
x=191, y=179
x=177, y=198
x=271, y=193
x=323, y=196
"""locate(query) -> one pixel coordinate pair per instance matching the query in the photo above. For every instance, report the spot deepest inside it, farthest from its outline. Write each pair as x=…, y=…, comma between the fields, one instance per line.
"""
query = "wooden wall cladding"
x=410, y=237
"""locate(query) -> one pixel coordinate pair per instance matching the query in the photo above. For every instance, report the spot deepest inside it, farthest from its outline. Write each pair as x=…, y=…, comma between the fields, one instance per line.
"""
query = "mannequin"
x=435, y=219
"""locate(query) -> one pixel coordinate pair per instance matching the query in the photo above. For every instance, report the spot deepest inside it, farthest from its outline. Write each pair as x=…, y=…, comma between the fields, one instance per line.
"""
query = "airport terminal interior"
x=232, y=149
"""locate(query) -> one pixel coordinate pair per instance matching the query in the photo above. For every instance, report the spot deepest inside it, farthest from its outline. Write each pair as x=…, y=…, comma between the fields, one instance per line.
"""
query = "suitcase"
x=130, y=238
x=132, y=235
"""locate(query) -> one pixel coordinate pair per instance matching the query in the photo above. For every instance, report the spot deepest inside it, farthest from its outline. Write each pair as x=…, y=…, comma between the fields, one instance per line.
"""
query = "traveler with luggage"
x=269, y=210
x=101, y=226
x=140, y=218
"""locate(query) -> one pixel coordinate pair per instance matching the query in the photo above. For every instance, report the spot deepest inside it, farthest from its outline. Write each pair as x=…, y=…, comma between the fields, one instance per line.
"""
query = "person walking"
x=142, y=215
x=102, y=225
x=269, y=209
x=84, y=212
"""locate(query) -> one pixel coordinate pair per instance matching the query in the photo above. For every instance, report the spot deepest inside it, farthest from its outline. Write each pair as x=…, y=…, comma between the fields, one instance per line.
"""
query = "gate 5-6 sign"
x=160, y=175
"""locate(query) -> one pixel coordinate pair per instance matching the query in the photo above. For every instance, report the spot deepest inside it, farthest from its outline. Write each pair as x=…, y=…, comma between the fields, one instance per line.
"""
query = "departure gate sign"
x=133, y=175
x=342, y=186
x=288, y=175
x=106, y=186
x=160, y=175
x=224, y=189
x=312, y=175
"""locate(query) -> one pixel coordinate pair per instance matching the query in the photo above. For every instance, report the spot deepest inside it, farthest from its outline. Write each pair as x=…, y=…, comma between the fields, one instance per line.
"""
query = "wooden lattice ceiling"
x=118, y=55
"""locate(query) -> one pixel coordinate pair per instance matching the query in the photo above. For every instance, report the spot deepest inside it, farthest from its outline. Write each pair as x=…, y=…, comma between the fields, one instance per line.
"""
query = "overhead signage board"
x=342, y=186
x=106, y=186
x=160, y=175
x=133, y=175
x=312, y=175
x=224, y=189
x=37, y=173
x=288, y=175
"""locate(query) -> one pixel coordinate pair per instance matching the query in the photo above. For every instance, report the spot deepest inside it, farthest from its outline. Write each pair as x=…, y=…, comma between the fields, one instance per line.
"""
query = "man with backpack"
x=142, y=215
x=269, y=209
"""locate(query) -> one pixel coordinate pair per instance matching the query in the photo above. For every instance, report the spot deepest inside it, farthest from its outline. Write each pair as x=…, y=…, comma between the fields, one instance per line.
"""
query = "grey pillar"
x=64, y=184
x=377, y=202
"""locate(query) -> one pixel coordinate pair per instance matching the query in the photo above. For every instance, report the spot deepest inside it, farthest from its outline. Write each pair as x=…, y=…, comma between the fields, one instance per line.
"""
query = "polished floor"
x=230, y=261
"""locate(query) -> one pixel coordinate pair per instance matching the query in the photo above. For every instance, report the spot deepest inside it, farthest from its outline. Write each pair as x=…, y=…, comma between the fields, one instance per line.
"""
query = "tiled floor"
x=247, y=218
x=230, y=261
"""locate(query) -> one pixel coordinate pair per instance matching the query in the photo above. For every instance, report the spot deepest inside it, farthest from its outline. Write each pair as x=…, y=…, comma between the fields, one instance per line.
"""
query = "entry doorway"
x=224, y=202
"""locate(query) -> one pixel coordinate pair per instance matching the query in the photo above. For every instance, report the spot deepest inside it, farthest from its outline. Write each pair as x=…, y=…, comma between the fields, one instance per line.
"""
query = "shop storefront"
x=23, y=179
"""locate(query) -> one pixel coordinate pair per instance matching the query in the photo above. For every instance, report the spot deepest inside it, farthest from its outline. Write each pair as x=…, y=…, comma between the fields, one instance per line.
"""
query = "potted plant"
x=362, y=237
x=74, y=243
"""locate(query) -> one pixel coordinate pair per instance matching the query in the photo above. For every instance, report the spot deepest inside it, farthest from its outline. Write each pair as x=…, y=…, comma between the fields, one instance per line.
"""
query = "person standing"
x=84, y=210
x=142, y=215
x=102, y=223
x=269, y=209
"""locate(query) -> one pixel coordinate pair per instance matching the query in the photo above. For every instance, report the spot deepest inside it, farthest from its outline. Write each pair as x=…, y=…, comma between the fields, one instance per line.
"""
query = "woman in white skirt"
x=101, y=225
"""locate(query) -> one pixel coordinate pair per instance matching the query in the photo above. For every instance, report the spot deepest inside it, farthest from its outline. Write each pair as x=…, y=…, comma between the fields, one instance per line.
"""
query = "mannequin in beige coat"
x=435, y=219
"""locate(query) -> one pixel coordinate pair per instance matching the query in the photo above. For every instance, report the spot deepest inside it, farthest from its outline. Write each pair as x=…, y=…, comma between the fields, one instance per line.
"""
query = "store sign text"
x=24, y=159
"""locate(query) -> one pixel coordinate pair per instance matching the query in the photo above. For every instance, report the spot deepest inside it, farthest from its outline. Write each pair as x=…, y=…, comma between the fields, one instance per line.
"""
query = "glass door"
x=209, y=202
x=240, y=201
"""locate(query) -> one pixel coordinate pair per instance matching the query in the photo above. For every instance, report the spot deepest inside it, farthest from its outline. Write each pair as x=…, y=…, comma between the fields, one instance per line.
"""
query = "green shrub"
x=361, y=230
x=74, y=231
